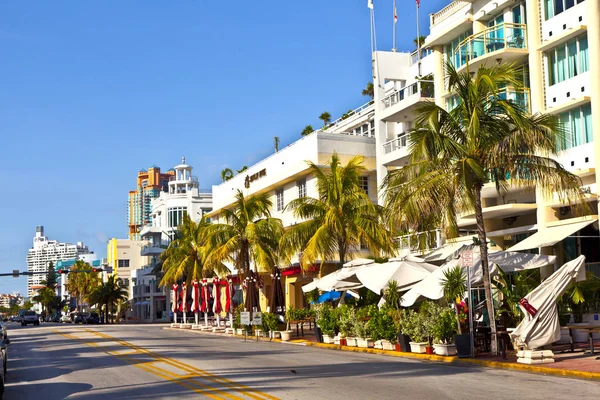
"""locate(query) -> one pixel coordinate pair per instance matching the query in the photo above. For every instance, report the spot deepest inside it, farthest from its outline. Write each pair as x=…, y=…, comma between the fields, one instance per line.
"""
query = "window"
x=364, y=184
x=175, y=216
x=577, y=127
x=279, y=195
x=555, y=7
x=123, y=264
x=456, y=56
x=568, y=60
x=301, y=184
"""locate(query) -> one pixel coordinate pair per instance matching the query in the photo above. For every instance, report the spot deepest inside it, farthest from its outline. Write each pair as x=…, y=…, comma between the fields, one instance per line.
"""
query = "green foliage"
x=335, y=223
x=327, y=319
x=369, y=90
x=312, y=296
x=270, y=322
x=347, y=319
x=381, y=325
x=108, y=295
x=325, y=117
x=28, y=305
x=81, y=284
x=296, y=314
x=308, y=129
x=276, y=143
x=226, y=174
x=582, y=297
x=454, y=284
x=445, y=327
x=392, y=295
x=236, y=316
x=51, y=277
x=513, y=287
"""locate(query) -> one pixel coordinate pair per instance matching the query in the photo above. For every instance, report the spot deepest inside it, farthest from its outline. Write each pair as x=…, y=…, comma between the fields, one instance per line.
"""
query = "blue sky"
x=93, y=91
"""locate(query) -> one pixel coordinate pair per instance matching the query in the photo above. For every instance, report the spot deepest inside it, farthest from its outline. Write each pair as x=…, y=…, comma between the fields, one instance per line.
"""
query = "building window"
x=577, y=127
x=555, y=7
x=364, y=183
x=301, y=188
x=123, y=264
x=175, y=216
x=568, y=60
x=279, y=196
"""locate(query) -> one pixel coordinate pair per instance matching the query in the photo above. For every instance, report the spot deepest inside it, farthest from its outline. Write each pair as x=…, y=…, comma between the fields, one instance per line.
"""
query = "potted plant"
x=237, y=326
x=362, y=335
x=455, y=285
x=383, y=329
x=444, y=331
x=393, y=299
x=270, y=323
x=327, y=322
x=413, y=325
x=347, y=319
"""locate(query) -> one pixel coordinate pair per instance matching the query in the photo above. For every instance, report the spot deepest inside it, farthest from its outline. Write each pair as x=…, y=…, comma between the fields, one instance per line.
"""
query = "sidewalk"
x=579, y=364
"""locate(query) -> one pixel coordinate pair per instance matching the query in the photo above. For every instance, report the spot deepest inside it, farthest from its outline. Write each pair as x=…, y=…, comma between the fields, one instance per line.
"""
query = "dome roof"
x=143, y=170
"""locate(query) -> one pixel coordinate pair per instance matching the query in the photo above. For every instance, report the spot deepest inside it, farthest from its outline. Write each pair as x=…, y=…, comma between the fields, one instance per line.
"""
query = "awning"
x=551, y=235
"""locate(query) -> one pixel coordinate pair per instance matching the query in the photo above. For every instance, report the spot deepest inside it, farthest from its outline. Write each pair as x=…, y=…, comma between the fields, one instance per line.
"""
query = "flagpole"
x=394, y=26
x=418, y=37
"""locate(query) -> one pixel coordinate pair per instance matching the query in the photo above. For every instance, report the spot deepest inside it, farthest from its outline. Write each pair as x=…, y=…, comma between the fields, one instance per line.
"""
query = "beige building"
x=124, y=256
x=557, y=45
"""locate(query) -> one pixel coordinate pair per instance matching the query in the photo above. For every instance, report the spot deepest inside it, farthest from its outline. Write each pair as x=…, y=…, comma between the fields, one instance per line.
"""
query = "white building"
x=45, y=251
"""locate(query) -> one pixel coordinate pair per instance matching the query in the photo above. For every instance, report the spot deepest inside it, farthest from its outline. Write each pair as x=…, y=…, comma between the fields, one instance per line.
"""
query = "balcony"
x=519, y=97
x=152, y=250
x=400, y=102
x=504, y=42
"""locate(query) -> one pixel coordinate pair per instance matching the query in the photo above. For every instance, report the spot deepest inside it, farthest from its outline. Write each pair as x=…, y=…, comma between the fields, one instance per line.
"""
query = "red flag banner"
x=530, y=309
x=418, y=3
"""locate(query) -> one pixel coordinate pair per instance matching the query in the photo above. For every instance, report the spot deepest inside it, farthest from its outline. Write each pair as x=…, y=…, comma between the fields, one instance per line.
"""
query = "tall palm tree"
x=308, y=129
x=107, y=295
x=45, y=297
x=369, y=90
x=339, y=220
x=325, y=117
x=485, y=137
x=226, y=174
x=419, y=40
x=249, y=235
x=184, y=259
x=82, y=281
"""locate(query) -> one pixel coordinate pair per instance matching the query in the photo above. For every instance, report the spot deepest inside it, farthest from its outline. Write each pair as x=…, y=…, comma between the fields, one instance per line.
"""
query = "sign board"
x=467, y=258
x=257, y=318
x=245, y=318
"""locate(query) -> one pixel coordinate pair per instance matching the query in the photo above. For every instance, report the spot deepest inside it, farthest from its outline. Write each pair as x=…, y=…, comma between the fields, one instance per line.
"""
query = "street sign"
x=467, y=258
x=245, y=318
x=257, y=318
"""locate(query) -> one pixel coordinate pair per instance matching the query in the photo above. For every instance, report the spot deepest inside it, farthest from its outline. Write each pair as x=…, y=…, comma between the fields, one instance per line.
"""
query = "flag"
x=418, y=3
x=370, y=4
x=395, y=13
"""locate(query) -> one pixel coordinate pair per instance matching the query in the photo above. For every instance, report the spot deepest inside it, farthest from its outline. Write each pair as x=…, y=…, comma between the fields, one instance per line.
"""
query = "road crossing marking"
x=188, y=379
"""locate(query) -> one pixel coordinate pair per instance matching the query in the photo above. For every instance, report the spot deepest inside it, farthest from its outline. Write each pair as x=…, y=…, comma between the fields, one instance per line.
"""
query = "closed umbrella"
x=251, y=293
x=183, y=301
x=204, y=305
x=195, y=299
x=277, y=301
x=174, y=302
x=217, y=299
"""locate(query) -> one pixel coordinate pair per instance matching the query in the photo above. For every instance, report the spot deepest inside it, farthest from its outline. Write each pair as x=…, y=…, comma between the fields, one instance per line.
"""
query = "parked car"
x=30, y=317
x=91, y=318
x=4, y=356
x=77, y=318
x=66, y=319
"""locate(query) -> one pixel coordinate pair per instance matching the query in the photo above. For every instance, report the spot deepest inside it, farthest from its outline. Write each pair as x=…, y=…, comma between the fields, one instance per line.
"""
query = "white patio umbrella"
x=541, y=325
x=342, y=279
x=375, y=277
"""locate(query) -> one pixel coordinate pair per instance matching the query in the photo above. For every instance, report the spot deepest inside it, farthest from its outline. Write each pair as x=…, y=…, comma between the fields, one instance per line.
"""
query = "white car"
x=65, y=319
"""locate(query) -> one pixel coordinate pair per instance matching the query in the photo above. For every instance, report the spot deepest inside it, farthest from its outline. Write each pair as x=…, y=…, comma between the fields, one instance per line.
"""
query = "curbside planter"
x=327, y=339
x=418, y=347
x=286, y=335
x=387, y=345
x=365, y=343
x=351, y=341
x=445, y=349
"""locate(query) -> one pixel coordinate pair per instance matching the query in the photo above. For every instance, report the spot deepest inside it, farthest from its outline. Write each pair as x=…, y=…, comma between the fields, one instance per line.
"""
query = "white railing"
x=188, y=179
x=446, y=12
x=414, y=241
x=414, y=56
x=423, y=89
x=392, y=145
x=356, y=111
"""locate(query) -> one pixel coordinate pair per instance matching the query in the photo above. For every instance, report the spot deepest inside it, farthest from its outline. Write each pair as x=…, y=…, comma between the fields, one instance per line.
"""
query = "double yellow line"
x=188, y=380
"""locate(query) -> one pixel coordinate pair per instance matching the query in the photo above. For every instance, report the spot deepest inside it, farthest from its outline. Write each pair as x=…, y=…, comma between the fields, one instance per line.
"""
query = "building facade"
x=149, y=184
x=555, y=45
x=123, y=256
x=44, y=252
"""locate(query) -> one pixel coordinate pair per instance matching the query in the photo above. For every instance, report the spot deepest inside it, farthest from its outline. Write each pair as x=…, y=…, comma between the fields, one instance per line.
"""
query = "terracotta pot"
x=343, y=342
x=397, y=346
x=428, y=350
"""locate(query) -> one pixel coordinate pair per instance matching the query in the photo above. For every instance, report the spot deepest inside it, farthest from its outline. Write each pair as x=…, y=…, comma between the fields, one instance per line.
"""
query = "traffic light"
x=62, y=271
x=97, y=270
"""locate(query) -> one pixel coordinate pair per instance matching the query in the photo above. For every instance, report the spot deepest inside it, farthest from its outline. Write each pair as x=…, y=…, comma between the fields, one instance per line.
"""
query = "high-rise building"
x=139, y=206
x=45, y=251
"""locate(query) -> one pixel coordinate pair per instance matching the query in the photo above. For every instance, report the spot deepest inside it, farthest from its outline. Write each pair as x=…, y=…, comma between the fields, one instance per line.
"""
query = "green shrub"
x=236, y=316
x=381, y=326
x=327, y=319
x=347, y=319
x=445, y=327
x=270, y=322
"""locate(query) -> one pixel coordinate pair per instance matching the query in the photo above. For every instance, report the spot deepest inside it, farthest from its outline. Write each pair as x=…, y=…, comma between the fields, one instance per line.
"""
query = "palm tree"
x=339, y=220
x=308, y=129
x=325, y=117
x=484, y=138
x=454, y=288
x=226, y=174
x=419, y=40
x=184, y=259
x=81, y=284
x=107, y=295
x=45, y=297
x=249, y=235
x=276, y=143
x=245, y=167
x=369, y=90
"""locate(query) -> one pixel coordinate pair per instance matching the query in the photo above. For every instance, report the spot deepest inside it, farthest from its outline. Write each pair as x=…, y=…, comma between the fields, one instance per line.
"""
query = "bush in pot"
x=327, y=321
x=413, y=326
x=444, y=332
x=270, y=323
x=382, y=328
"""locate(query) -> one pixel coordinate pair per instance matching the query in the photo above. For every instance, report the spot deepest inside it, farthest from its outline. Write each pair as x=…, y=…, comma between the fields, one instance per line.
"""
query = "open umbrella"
x=277, y=300
x=332, y=296
x=405, y=272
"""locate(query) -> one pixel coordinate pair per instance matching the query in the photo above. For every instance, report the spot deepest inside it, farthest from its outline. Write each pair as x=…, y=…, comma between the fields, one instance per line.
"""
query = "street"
x=56, y=361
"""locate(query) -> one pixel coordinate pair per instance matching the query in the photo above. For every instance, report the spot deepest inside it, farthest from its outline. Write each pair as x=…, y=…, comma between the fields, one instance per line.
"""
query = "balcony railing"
x=392, y=145
x=414, y=56
x=188, y=179
x=446, y=12
x=426, y=240
x=518, y=97
x=502, y=36
x=423, y=89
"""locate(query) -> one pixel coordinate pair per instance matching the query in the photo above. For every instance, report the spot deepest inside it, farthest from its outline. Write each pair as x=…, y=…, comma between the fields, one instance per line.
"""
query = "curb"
x=425, y=357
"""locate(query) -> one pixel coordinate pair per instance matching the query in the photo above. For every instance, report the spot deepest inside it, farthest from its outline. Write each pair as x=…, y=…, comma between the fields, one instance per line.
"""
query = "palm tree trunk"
x=485, y=267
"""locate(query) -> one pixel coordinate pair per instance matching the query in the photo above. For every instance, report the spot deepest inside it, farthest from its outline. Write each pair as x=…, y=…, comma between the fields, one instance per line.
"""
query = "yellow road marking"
x=185, y=380
x=188, y=368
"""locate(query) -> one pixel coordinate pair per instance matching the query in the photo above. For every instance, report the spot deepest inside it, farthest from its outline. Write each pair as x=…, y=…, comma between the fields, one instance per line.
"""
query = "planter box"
x=239, y=331
x=286, y=335
x=378, y=345
x=463, y=344
x=445, y=349
x=327, y=339
x=387, y=345
x=365, y=342
x=418, y=347
x=351, y=342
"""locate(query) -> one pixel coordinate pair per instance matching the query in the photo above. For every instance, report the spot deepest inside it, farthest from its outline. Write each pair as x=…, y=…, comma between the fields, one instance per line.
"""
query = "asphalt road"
x=55, y=361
